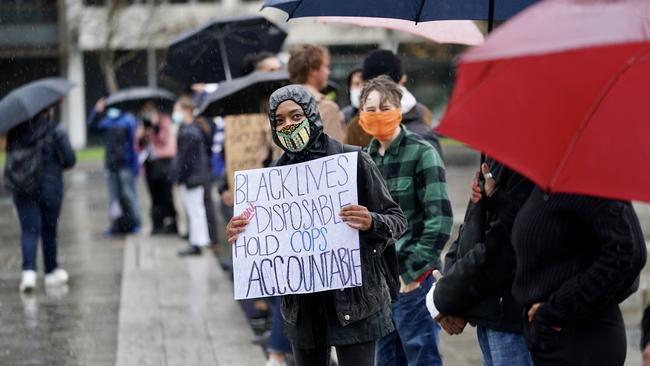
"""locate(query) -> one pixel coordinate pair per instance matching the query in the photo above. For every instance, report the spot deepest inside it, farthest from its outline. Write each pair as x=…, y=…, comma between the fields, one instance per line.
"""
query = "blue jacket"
x=126, y=122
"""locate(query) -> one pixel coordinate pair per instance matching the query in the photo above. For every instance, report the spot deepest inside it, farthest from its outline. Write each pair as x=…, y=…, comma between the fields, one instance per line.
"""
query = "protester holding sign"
x=415, y=176
x=350, y=318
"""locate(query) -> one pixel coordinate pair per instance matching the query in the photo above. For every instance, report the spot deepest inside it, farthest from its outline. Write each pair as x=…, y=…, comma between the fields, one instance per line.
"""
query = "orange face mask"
x=380, y=125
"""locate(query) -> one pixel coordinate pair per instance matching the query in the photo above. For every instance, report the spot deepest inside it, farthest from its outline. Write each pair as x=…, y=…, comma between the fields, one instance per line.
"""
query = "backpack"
x=24, y=167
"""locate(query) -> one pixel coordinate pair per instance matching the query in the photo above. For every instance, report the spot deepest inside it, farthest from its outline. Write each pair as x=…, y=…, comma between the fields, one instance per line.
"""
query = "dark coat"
x=57, y=153
x=418, y=121
x=378, y=258
x=191, y=166
x=480, y=265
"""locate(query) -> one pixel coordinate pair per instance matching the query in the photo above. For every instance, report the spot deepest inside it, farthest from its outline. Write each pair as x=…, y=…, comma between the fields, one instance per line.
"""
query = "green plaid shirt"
x=415, y=177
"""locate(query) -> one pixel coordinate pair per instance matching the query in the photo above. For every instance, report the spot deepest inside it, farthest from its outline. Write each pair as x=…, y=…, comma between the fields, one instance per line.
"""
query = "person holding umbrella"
x=379, y=221
x=38, y=150
x=479, y=270
x=118, y=129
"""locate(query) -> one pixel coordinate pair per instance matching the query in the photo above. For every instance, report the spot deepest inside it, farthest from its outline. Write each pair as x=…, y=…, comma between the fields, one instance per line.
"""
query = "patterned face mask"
x=295, y=137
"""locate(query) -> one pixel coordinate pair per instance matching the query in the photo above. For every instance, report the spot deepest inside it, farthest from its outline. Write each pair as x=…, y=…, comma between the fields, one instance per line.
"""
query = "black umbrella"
x=243, y=95
x=25, y=102
x=131, y=99
x=214, y=52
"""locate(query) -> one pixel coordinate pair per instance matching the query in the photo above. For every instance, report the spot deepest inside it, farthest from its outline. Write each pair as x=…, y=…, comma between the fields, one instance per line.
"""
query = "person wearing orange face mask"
x=415, y=177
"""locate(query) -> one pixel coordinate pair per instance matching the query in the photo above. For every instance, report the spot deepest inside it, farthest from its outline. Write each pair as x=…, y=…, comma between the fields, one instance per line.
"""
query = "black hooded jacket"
x=378, y=258
x=480, y=265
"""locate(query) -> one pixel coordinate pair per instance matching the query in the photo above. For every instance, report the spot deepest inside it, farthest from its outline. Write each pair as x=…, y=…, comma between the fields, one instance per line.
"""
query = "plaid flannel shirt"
x=415, y=177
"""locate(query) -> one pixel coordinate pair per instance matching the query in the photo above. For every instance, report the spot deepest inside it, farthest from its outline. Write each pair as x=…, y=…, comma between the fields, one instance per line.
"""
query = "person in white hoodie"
x=416, y=117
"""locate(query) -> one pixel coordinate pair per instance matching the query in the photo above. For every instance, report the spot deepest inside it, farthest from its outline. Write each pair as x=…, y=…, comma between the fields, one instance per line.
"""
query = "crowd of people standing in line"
x=540, y=275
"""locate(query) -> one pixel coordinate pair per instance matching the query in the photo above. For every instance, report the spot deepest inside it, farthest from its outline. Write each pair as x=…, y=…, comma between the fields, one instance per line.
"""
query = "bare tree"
x=109, y=59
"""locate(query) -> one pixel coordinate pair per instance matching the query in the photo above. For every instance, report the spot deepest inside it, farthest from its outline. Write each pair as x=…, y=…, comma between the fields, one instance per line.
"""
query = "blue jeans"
x=278, y=341
x=415, y=341
x=503, y=349
x=122, y=183
x=39, y=215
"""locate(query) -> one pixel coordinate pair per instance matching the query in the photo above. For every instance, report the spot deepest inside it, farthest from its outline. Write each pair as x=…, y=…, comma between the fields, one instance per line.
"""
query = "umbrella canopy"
x=414, y=10
x=215, y=51
x=131, y=99
x=444, y=31
x=243, y=95
x=26, y=101
x=570, y=109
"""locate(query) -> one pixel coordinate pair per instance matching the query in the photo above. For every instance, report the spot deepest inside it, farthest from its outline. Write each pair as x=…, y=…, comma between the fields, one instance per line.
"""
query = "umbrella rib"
x=294, y=10
x=585, y=123
x=417, y=18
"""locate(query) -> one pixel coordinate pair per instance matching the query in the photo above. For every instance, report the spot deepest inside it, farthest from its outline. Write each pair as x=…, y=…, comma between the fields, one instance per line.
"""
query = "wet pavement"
x=133, y=302
x=76, y=325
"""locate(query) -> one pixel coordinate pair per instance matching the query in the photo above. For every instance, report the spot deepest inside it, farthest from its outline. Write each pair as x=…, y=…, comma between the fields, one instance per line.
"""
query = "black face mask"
x=145, y=117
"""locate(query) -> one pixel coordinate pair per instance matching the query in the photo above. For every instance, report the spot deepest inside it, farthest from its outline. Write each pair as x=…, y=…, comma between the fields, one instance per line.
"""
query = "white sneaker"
x=275, y=362
x=28, y=282
x=58, y=277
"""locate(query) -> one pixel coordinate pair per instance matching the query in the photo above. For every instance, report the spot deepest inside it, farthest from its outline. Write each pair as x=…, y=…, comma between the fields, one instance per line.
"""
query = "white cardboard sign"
x=295, y=241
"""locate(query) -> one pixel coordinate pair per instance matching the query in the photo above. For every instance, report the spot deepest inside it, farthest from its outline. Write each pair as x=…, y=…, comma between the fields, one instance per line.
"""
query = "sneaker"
x=191, y=250
x=28, y=282
x=58, y=277
x=275, y=362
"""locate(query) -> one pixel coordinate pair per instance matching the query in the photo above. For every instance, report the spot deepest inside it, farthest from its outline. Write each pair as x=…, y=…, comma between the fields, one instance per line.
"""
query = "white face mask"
x=113, y=113
x=408, y=100
x=177, y=117
x=355, y=96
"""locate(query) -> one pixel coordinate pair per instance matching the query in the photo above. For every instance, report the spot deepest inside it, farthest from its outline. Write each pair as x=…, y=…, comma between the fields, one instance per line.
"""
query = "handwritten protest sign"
x=295, y=241
x=247, y=142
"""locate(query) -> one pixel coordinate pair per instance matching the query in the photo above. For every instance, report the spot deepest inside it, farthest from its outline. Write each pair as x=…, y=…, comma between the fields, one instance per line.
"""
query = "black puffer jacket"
x=378, y=258
x=480, y=265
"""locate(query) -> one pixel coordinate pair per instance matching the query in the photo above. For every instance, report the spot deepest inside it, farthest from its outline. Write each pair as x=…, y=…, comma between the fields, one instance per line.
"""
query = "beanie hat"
x=382, y=62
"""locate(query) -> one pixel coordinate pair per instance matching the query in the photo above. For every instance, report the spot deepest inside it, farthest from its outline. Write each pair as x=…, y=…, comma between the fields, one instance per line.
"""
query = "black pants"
x=361, y=354
x=598, y=341
x=163, y=213
x=210, y=213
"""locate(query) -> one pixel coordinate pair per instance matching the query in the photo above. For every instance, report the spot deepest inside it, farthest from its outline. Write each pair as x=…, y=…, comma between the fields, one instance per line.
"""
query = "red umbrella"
x=561, y=93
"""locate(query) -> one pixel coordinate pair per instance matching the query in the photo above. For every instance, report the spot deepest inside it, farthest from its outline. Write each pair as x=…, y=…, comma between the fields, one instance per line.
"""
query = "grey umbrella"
x=25, y=102
x=246, y=94
x=131, y=99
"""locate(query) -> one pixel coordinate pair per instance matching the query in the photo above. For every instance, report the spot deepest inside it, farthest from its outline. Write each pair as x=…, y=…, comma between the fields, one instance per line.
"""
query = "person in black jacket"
x=480, y=267
x=191, y=169
x=39, y=209
x=577, y=257
x=351, y=319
